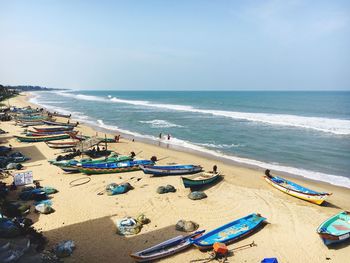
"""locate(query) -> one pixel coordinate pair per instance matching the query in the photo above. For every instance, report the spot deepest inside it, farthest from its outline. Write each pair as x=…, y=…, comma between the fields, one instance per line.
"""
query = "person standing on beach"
x=160, y=135
x=168, y=136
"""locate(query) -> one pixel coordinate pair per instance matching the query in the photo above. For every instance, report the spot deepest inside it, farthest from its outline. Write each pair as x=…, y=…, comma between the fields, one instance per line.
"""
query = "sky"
x=176, y=45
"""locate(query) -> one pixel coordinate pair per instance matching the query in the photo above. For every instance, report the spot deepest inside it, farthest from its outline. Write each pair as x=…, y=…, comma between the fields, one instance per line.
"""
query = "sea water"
x=302, y=133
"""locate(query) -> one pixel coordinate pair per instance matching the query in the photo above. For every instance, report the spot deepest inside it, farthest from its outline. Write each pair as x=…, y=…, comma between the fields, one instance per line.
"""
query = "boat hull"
x=166, y=248
x=41, y=138
x=230, y=232
x=335, y=229
x=192, y=183
x=171, y=170
x=317, y=199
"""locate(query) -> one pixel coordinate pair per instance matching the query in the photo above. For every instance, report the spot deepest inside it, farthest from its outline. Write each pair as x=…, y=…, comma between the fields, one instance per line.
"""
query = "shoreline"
x=208, y=154
x=88, y=218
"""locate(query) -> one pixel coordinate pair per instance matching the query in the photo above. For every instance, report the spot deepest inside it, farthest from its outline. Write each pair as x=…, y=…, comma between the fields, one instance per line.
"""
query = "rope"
x=73, y=184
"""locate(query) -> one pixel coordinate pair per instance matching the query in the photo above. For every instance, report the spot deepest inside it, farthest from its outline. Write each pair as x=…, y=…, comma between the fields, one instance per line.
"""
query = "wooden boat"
x=60, y=115
x=33, y=133
x=200, y=179
x=335, y=229
x=230, y=232
x=42, y=138
x=53, y=129
x=296, y=190
x=165, y=248
x=55, y=123
x=31, y=123
x=118, y=167
x=61, y=145
x=171, y=169
x=73, y=165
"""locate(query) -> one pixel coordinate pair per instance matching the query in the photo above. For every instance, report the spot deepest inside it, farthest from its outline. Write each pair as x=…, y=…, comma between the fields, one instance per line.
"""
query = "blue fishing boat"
x=335, y=229
x=230, y=232
x=117, y=167
x=171, y=169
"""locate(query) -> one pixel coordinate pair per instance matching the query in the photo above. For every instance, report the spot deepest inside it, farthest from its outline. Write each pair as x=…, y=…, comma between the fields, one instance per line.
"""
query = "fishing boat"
x=335, y=229
x=56, y=123
x=53, y=129
x=117, y=167
x=166, y=248
x=42, y=138
x=200, y=179
x=29, y=123
x=62, y=145
x=171, y=169
x=230, y=232
x=296, y=190
x=73, y=165
x=33, y=133
x=60, y=115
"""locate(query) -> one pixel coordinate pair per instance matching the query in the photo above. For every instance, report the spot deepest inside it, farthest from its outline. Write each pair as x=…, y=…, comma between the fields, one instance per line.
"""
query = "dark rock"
x=186, y=226
x=197, y=195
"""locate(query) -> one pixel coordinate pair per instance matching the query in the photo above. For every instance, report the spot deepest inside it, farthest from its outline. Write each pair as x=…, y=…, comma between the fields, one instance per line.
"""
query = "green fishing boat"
x=42, y=138
x=335, y=229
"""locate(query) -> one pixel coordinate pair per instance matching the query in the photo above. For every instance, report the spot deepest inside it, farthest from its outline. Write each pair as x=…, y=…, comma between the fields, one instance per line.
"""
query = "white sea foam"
x=329, y=125
x=335, y=126
x=318, y=176
x=161, y=124
x=219, y=146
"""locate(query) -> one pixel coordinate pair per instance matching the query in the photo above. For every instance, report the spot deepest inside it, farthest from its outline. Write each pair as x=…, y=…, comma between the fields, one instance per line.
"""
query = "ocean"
x=301, y=133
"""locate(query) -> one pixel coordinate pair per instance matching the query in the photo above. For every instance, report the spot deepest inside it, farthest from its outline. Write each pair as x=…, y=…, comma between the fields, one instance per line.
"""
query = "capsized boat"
x=166, y=248
x=118, y=167
x=42, y=138
x=335, y=229
x=53, y=129
x=200, y=179
x=230, y=232
x=296, y=190
x=171, y=169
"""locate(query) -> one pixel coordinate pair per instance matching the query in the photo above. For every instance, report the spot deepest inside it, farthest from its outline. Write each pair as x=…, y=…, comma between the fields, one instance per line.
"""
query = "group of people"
x=168, y=136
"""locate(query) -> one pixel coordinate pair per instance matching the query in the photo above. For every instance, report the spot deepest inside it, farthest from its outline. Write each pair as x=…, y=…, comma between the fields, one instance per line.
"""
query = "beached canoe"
x=26, y=124
x=200, y=179
x=296, y=190
x=33, y=133
x=60, y=115
x=55, y=123
x=230, y=232
x=42, y=138
x=118, y=167
x=61, y=145
x=171, y=169
x=335, y=229
x=166, y=248
x=53, y=129
x=73, y=165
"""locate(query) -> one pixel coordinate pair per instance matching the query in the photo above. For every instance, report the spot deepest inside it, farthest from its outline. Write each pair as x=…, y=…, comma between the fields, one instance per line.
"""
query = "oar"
x=162, y=158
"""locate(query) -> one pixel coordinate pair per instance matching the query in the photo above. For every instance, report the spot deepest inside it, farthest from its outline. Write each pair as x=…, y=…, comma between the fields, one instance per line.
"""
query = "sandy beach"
x=89, y=219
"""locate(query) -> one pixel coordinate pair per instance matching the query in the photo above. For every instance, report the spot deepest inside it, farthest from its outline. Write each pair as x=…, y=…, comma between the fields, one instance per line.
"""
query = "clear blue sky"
x=229, y=45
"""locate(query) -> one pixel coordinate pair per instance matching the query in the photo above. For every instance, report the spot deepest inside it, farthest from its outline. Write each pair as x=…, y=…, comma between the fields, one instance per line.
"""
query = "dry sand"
x=88, y=218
